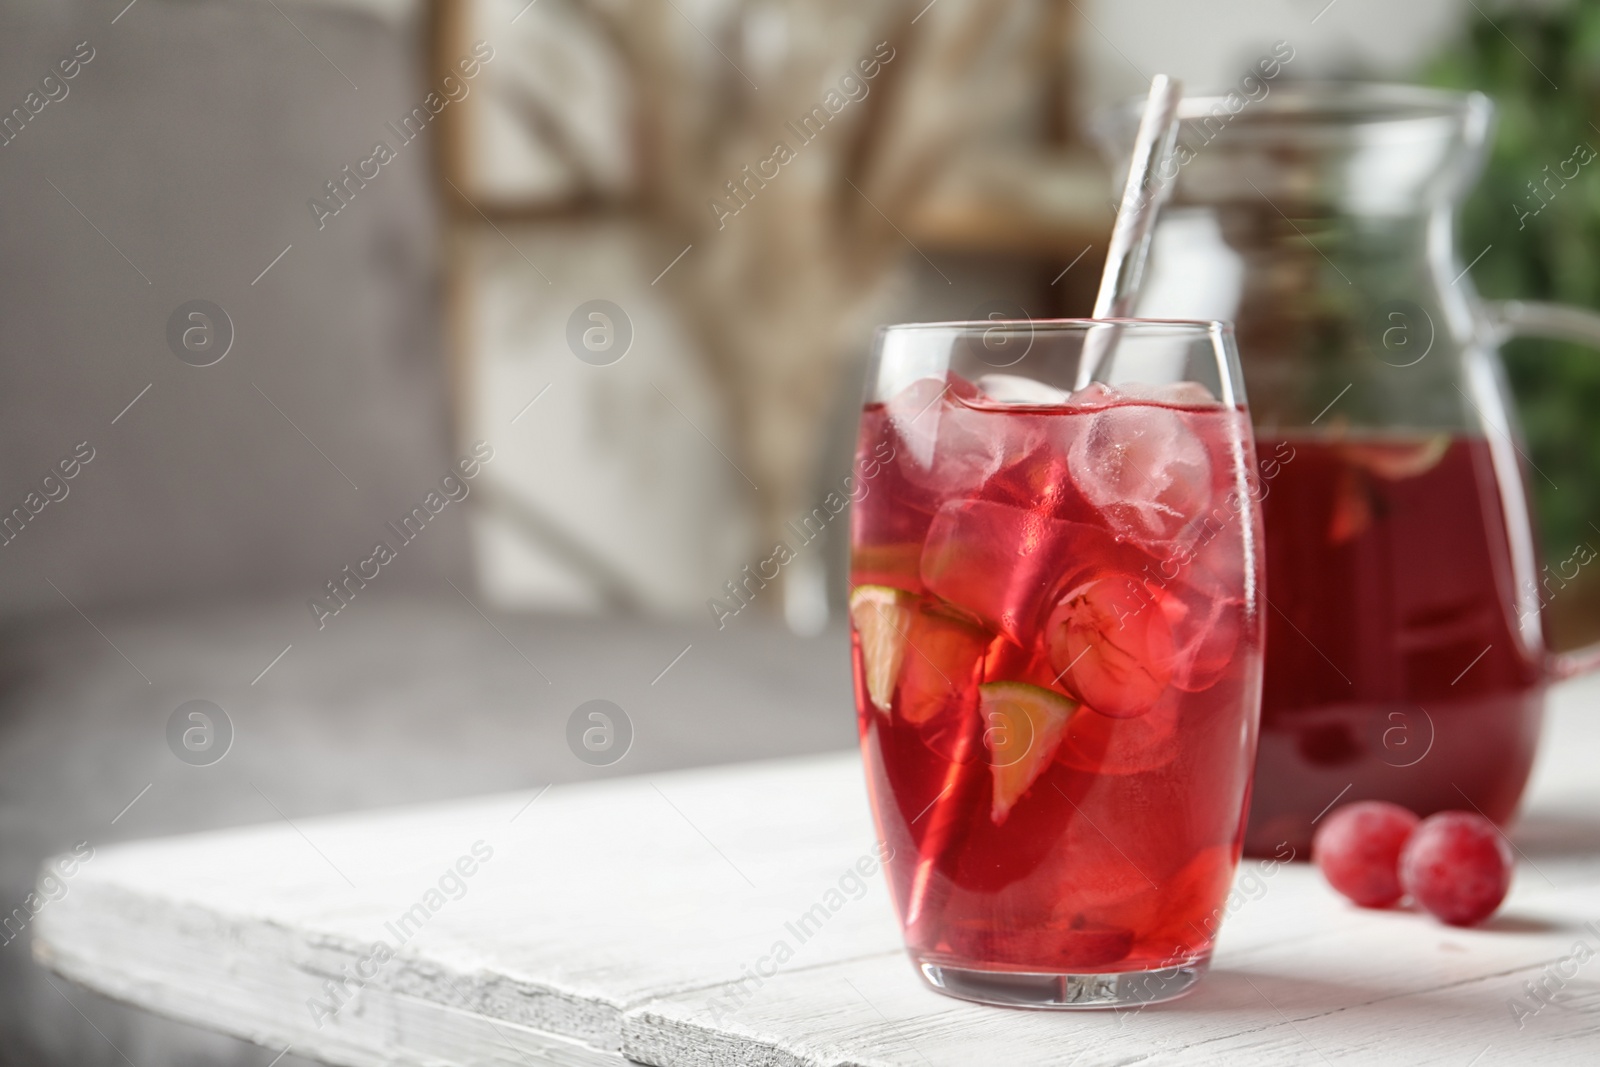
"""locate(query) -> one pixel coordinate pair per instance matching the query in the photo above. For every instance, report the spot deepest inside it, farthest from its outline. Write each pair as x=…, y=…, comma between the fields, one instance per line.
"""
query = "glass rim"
x=1064, y=325
x=1342, y=100
x=894, y=344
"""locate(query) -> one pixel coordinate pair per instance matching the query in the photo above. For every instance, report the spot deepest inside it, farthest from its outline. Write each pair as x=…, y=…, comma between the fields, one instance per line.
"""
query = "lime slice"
x=1397, y=459
x=941, y=658
x=1022, y=728
x=881, y=615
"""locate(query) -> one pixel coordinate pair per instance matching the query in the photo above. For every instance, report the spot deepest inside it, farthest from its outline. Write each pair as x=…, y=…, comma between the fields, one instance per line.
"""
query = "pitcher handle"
x=1555, y=322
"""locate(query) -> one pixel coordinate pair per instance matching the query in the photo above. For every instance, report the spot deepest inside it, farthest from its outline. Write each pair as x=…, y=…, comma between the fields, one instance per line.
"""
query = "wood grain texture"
x=643, y=918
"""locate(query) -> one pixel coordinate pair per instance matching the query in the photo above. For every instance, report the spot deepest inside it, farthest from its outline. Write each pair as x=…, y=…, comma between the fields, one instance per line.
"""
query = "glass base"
x=1064, y=992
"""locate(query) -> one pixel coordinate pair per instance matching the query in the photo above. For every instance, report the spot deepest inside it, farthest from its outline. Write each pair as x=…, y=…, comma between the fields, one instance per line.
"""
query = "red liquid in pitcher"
x=1396, y=665
x=1056, y=661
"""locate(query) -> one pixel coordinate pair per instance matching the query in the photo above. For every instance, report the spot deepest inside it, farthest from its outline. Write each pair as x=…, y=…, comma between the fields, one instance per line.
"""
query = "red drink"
x=1057, y=644
x=1398, y=665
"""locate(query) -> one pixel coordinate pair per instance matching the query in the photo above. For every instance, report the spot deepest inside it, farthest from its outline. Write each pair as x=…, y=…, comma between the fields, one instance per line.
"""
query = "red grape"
x=1358, y=850
x=1457, y=866
x=1112, y=645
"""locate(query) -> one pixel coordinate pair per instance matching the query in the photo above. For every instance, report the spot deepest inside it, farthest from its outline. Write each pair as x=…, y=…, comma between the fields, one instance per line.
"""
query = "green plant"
x=1542, y=69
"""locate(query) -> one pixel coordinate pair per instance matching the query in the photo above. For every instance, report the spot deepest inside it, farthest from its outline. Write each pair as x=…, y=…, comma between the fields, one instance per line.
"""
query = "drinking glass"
x=1056, y=618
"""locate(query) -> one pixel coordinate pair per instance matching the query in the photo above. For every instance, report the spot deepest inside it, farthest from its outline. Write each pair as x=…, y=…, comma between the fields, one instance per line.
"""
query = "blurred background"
x=564, y=302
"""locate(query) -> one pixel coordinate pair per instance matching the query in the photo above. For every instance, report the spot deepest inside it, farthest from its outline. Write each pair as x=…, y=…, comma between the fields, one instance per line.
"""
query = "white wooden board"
x=628, y=919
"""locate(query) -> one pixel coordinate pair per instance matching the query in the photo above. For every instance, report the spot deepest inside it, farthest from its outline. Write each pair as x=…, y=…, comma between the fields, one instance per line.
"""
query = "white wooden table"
x=630, y=919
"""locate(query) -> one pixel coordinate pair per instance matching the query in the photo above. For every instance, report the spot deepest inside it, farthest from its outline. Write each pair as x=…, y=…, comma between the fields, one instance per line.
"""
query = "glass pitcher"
x=1405, y=655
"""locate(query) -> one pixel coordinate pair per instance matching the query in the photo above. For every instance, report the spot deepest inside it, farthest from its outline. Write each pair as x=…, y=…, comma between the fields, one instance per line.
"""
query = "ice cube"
x=1215, y=561
x=1203, y=588
x=948, y=446
x=1001, y=563
x=916, y=423
x=1205, y=627
x=1146, y=471
x=1041, y=479
x=890, y=515
x=1093, y=395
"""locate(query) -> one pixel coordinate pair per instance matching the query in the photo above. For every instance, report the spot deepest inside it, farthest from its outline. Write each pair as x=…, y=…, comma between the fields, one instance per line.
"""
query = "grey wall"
x=188, y=148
